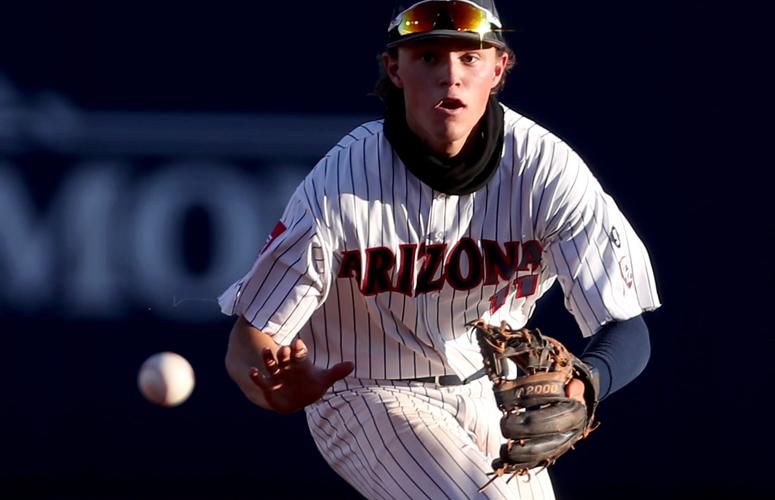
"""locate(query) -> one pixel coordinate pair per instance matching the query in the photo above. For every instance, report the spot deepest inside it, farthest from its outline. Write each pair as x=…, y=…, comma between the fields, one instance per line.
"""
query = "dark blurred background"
x=147, y=148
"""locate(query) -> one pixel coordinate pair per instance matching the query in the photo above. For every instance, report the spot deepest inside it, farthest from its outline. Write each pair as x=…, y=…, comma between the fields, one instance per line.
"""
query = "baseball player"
x=453, y=208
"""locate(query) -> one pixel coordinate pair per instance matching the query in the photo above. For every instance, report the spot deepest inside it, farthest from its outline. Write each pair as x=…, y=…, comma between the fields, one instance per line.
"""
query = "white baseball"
x=166, y=379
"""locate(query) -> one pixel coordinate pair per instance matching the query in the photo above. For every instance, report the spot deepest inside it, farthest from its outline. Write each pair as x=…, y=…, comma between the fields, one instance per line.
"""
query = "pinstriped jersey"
x=369, y=264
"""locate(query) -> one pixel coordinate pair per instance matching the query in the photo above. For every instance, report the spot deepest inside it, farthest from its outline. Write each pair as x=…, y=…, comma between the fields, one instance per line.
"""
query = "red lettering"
x=497, y=300
x=499, y=264
x=454, y=267
x=379, y=263
x=434, y=257
x=531, y=256
x=526, y=285
x=405, y=280
x=351, y=265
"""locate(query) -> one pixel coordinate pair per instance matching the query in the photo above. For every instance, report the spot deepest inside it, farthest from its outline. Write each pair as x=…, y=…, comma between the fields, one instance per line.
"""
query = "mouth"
x=450, y=104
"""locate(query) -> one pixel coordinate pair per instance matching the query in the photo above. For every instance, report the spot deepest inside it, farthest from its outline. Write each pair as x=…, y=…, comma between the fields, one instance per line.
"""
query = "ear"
x=500, y=69
x=391, y=69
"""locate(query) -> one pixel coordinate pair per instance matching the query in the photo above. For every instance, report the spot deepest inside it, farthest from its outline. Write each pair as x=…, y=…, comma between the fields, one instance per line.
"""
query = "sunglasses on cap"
x=428, y=16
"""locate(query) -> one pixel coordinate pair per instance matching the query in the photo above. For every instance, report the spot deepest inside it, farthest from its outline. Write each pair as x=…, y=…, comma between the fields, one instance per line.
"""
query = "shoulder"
x=528, y=135
x=534, y=148
x=362, y=148
x=337, y=170
x=357, y=136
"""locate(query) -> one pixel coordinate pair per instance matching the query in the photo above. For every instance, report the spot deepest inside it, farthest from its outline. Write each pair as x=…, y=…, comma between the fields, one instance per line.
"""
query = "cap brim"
x=489, y=38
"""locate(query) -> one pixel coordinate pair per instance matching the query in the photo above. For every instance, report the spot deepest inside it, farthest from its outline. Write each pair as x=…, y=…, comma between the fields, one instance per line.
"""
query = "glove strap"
x=478, y=373
x=589, y=375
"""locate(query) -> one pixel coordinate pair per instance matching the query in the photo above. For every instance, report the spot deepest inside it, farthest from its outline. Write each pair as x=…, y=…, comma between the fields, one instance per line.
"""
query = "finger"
x=298, y=350
x=575, y=390
x=339, y=371
x=284, y=356
x=259, y=379
x=270, y=362
x=264, y=383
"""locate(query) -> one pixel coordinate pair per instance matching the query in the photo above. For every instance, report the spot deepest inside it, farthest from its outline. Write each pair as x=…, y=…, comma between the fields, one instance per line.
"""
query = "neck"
x=475, y=162
x=443, y=148
x=458, y=148
x=448, y=149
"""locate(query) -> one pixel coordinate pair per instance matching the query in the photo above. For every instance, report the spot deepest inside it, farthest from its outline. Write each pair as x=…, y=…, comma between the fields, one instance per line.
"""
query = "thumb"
x=339, y=371
x=575, y=390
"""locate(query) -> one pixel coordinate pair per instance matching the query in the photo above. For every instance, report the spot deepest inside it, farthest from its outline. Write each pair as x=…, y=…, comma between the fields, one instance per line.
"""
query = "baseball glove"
x=540, y=422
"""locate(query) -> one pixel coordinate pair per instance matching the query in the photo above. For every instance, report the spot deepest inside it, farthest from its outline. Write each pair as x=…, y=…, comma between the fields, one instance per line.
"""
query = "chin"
x=453, y=133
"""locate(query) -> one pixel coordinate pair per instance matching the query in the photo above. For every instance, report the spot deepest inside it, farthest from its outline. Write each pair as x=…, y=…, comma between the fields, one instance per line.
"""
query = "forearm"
x=620, y=352
x=246, y=344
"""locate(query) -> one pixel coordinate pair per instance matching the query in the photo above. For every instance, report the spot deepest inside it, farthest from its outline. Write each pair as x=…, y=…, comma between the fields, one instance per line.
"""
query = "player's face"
x=446, y=85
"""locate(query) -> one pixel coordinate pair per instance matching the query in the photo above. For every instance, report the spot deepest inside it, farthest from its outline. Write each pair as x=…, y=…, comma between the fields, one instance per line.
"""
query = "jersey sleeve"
x=601, y=263
x=289, y=279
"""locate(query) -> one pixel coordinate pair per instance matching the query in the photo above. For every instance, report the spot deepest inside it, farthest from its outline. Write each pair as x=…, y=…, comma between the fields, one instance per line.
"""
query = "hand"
x=293, y=382
x=575, y=390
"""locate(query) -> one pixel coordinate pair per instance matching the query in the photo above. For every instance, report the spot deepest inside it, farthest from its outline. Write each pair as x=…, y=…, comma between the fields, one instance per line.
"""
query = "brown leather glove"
x=539, y=420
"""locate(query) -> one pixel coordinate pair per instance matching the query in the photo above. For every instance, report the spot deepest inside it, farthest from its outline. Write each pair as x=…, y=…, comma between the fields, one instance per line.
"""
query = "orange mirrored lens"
x=443, y=15
x=466, y=17
x=418, y=20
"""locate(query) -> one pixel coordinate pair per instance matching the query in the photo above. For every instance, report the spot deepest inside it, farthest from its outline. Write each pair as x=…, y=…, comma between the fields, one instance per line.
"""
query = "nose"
x=450, y=73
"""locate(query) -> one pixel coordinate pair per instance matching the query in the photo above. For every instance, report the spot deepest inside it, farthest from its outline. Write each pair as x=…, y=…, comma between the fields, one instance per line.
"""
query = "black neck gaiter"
x=464, y=174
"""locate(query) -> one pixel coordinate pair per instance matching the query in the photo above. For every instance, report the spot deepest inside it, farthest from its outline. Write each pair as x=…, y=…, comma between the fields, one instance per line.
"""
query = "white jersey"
x=368, y=264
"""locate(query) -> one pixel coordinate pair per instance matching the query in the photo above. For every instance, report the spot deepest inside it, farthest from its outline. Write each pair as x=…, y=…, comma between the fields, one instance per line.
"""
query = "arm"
x=245, y=351
x=619, y=352
x=278, y=378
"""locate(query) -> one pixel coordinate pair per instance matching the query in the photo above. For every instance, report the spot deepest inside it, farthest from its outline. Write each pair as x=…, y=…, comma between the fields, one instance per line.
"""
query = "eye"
x=428, y=57
x=470, y=58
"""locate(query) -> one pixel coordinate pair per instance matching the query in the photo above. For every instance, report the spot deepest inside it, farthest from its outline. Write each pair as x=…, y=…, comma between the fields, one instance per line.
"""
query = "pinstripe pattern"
x=377, y=268
x=418, y=440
